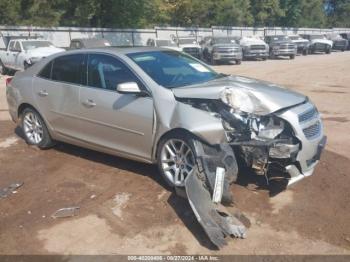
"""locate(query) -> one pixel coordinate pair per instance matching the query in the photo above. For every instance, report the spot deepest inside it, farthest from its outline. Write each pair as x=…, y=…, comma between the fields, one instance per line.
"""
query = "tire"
x=271, y=55
x=292, y=57
x=305, y=52
x=328, y=51
x=175, y=154
x=238, y=62
x=3, y=69
x=32, y=123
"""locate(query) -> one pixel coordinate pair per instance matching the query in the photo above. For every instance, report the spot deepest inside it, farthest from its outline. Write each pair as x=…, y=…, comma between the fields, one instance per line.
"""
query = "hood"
x=44, y=51
x=271, y=96
x=281, y=42
x=300, y=41
x=322, y=41
x=252, y=41
x=232, y=45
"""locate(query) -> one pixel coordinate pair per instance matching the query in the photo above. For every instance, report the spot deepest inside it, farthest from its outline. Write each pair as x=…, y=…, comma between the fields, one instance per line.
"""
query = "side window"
x=11, y=45
x=69, y=68
x=46, y=71
x=107, y=72
x=17, y=47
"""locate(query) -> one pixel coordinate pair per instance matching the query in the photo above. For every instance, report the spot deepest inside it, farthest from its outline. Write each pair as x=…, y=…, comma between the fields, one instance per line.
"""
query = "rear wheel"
x=34, y=129
x=175, y=158
x=238, y=62
x=292, y=56
x=328, y=50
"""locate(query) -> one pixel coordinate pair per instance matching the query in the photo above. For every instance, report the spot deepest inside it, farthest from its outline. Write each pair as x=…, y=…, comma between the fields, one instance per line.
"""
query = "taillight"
x=8, y=80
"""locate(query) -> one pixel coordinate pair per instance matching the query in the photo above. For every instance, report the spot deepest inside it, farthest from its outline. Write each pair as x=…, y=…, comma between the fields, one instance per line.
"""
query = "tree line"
x=201, y=13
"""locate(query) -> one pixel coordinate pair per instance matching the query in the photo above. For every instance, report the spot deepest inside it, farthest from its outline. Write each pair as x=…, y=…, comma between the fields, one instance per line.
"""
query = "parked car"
x=20, y=54
x=302, y=44
x=281, y=45
x=318, y=43
x=166, y=43
x=160, y=106
x=80, y=43
x=223, y=49
x=189, y=45
x=165, y=107
x=254, y=47
x=339, y=43
x=346, y=36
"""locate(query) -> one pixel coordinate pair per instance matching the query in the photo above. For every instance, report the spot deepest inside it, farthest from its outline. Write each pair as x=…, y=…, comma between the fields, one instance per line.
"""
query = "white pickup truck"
x=22, y=53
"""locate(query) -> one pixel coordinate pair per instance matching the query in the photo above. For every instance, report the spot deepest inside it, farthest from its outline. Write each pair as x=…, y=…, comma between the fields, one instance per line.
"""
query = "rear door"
x=56, y=89
x=118, y=122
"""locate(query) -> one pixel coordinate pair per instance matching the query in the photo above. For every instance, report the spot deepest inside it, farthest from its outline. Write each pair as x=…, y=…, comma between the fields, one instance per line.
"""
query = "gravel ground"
x=125, y=208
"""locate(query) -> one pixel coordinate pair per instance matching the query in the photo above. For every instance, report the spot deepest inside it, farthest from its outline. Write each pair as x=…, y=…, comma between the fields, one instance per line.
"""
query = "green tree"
x=9, y=12
x=338, y=12
x=266, y=12
x=41, y=12
x=313, y=14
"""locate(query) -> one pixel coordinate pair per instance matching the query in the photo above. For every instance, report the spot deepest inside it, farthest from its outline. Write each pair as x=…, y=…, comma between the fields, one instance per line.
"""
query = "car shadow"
x=179, y=204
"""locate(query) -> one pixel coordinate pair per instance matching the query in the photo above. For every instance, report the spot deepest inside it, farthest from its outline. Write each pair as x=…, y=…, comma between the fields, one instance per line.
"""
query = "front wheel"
x=175, y=158
x=328, y=50
x=34, y=129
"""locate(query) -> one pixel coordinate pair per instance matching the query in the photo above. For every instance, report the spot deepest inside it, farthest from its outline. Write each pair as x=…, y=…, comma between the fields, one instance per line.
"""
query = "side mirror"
x=129, y=88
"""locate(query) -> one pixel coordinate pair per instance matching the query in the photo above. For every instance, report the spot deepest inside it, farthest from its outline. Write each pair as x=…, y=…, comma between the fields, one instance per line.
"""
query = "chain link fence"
x=61, y=36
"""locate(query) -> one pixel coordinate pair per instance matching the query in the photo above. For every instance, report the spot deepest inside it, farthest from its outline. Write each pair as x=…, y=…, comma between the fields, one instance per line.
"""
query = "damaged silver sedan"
x=161, y=106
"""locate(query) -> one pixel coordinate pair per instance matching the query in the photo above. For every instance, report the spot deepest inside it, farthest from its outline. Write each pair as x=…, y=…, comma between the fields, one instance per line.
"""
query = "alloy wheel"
x=33, y=128
x=177, y=161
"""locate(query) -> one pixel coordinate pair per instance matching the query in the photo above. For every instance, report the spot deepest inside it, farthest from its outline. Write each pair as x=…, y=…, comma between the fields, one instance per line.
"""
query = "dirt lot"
x=125, y=208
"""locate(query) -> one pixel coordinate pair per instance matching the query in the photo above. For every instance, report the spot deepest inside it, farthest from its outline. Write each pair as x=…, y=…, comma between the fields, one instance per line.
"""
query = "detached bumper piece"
x=209, y=185
x=214, y=218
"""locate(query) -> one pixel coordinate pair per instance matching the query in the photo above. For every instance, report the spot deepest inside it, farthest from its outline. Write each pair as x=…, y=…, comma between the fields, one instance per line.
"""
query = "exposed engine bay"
x=267, y=144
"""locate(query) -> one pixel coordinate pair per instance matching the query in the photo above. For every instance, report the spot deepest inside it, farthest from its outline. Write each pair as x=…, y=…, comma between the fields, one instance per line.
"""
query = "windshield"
x=185, y=41
x=165, y=43
x=27, y=45
x=224, y=40
x=279, y=38
x=173, y=69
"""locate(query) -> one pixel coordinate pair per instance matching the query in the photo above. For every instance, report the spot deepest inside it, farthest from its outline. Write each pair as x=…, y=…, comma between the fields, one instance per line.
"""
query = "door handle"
x=89, y=103
x=43, y=93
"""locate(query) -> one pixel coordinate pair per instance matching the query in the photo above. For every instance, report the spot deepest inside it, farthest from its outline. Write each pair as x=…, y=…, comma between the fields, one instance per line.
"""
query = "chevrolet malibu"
x=161, y=106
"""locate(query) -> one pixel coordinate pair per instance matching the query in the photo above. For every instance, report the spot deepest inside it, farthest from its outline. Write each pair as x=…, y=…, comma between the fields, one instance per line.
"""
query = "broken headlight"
x=243, y=101
x=267, y=127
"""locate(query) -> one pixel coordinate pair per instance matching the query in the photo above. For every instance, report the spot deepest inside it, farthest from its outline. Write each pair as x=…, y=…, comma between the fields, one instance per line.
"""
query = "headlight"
x=244, y=101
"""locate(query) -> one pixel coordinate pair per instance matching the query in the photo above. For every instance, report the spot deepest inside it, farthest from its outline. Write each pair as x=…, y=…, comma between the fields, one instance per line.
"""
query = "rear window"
x=70, y=69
